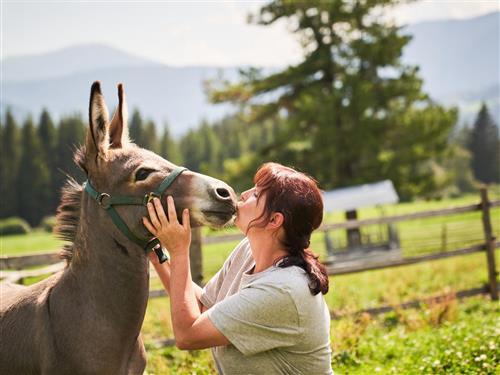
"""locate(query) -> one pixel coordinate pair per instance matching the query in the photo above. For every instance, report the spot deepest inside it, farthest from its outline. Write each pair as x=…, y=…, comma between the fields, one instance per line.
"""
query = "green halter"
x=107, y=202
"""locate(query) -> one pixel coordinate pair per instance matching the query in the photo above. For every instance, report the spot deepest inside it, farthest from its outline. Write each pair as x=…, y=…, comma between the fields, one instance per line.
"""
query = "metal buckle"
x=149, y=197
x=102, y=203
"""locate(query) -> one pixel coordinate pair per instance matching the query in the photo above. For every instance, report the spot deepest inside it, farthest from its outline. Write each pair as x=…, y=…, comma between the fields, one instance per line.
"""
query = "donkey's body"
x=86, y=319
x=45, y=332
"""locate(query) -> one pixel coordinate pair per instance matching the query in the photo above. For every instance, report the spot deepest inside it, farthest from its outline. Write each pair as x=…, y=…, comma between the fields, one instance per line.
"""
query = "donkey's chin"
x=218, y=219
x=213, y=218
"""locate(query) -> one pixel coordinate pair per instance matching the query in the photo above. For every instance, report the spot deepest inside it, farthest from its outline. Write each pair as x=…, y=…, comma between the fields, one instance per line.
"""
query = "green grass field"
x=452, y=338
x=448, y=338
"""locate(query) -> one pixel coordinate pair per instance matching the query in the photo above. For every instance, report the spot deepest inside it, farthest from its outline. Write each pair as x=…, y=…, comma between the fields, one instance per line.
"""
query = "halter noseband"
x=107, y=202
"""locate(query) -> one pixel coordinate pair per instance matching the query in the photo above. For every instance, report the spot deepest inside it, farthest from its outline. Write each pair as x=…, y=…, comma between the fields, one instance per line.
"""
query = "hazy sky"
x=182, y=32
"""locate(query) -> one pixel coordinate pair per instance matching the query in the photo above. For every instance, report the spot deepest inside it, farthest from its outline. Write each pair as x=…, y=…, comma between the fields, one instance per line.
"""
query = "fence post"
x=489, y=244
x=195, y=257
x=444, y=237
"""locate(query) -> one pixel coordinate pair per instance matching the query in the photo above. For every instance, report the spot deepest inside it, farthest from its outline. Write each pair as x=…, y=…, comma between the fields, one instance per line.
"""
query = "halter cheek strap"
x=106, y=201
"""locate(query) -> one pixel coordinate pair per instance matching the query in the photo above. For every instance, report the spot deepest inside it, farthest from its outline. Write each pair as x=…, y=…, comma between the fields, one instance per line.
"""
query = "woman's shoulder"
x=292, y=279
x=240, y=253
x=291, y=285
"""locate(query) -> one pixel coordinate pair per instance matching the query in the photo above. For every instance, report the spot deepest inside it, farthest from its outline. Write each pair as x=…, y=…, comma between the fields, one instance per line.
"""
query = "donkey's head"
x=117, y=167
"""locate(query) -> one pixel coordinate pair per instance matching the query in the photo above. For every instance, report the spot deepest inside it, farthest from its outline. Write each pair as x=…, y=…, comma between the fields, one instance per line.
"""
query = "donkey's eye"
x=143, y=173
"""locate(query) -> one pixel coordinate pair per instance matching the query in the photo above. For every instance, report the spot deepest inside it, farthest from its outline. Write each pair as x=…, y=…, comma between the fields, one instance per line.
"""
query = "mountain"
x=163, y=94
x=67, y=61
x=458, y=59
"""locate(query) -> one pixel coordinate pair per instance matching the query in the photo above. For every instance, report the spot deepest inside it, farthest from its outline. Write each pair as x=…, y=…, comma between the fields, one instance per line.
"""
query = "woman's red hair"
x=297, y=197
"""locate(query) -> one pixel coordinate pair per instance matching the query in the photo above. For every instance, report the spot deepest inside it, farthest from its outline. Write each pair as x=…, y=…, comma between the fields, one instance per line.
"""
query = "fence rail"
x=335, y=315
x=16, y=264
x=39, y=259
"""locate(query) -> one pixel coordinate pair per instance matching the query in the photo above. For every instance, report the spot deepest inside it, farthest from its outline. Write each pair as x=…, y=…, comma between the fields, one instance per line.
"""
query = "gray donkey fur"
x=86, y=319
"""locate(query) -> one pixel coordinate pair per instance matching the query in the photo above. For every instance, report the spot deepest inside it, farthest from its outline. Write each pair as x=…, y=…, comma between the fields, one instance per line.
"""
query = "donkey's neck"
x=119, y=268
x=100, y=299
x=112, y=274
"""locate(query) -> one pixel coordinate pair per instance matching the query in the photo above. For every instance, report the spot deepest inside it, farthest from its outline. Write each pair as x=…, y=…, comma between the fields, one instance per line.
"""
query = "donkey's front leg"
x=137, y=360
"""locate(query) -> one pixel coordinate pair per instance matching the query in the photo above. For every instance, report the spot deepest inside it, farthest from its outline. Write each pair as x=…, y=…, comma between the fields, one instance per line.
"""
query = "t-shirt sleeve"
x=260, y=317
x=211, y=289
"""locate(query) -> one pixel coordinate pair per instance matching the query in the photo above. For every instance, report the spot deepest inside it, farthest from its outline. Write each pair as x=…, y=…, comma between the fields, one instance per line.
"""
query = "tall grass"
x=446, y=338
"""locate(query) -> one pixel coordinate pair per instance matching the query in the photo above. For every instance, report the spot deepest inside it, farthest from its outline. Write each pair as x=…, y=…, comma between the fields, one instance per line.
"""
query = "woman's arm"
x=192, y=328
x=164, y=272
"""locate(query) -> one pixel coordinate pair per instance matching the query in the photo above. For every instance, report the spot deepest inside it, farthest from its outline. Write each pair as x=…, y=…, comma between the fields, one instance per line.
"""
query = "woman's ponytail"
x=315, y=270
x=297, y=197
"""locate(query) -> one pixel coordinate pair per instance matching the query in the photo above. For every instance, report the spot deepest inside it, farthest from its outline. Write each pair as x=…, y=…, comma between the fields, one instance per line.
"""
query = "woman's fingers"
x=172, y=215
x=149, y=226
x=153, y=216
x=160, y=211
x=185, y=219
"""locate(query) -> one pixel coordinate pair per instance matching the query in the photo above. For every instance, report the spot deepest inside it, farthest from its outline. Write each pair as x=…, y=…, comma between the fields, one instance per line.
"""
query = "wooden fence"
x=12, y=268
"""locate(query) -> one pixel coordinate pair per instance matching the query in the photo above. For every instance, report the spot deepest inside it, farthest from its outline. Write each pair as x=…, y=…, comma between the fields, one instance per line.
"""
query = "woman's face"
x=250, y=207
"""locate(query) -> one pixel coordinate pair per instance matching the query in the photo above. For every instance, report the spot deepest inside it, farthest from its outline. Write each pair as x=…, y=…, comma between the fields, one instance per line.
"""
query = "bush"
x=48, y=223
x=14, y=225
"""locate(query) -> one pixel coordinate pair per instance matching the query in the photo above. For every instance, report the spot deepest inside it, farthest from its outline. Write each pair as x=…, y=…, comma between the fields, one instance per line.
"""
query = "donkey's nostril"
x=222, y=193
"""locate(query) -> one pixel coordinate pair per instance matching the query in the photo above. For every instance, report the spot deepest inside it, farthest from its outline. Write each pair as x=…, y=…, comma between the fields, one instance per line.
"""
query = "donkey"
x=86, y=319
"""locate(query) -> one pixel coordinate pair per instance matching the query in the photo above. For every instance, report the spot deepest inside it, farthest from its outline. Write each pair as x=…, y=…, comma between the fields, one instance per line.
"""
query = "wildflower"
x=436, y=362
x=378, y=369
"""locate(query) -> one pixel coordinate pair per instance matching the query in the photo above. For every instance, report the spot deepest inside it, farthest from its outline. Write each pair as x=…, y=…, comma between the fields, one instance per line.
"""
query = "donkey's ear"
x=118, y=129
x=97, y=142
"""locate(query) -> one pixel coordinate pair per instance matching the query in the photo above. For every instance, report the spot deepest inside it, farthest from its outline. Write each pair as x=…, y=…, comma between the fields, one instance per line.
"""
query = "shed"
x=354, y=197
x=357, y=244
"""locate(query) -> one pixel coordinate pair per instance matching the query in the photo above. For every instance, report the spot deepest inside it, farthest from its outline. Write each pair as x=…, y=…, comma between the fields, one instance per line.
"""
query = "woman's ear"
x=277, y=219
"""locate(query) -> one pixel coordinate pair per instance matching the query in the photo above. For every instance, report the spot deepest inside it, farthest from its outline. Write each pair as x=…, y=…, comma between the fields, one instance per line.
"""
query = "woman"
x=263, y=312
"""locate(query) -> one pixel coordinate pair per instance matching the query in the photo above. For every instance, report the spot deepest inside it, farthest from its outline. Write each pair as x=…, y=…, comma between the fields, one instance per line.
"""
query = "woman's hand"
x=175, y=237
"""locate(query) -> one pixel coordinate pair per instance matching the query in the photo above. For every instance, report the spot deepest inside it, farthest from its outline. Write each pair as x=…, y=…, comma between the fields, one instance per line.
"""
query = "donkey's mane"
x=68, y=211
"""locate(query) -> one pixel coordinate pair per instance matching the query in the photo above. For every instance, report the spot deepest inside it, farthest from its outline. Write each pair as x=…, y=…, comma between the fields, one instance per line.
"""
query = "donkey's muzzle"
x=222, y=194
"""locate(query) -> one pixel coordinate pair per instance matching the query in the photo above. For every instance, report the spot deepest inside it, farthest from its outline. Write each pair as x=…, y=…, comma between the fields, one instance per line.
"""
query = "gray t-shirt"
x=274, y=323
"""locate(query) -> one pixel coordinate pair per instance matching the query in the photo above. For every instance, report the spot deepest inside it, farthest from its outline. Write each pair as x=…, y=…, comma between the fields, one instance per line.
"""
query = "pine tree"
x=192, y=149
x=9, y=166
x=150, y=139
x=484, y=147
x=209, y=158
x=169, y=149
x=351, y=112
x=48, y=137
x=136, y=129
x=71, y=133
x=33, y=183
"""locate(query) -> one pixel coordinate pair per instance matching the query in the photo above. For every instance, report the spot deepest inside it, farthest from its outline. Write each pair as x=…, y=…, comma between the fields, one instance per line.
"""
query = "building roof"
x=351, y=198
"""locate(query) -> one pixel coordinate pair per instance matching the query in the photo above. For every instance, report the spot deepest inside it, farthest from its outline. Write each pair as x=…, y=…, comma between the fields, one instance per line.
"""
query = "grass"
x=417, y=236
x=38, y=241
x=447, y=338
x=450, y=338
x=400, y=342
x=349, y=293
